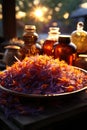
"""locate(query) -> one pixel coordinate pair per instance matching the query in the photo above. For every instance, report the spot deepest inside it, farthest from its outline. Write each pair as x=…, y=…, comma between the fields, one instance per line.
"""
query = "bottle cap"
x=64, y=39
x=80, y=23
x=30, y=27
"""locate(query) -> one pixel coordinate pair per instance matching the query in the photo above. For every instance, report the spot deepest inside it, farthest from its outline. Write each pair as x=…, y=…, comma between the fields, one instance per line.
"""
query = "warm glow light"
x=36, y=2
x=17, y=8
x=38, y=13
x=20, y=15
x=57, y=9
x=0, y=8
x=66, y=15
x=1, y=11
x=84, y=5
x=55, y=24
x=1, y=16
x=60, y=4
x=21, y=3
x=49, y=17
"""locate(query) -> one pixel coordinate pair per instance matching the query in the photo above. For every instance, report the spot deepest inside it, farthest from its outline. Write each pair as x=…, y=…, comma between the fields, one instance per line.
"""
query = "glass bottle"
x=65, y=50
x=50, y=40
x=79, y=38
x=81, y=61
x=29, y=37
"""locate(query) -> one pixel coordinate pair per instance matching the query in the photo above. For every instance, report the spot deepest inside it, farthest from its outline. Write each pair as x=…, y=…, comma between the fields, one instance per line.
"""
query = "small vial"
x=48, y=44
x=29, y=37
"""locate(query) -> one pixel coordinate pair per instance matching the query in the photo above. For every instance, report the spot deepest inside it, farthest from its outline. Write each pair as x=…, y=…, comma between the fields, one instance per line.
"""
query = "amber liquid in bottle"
x=65, y=50
x=53, y=34
x=48, y=47
x=29, y=37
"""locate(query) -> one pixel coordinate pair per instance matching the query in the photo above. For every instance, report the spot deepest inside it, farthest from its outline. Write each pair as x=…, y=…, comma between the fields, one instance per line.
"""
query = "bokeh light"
x=66, y=15
x=41, y=14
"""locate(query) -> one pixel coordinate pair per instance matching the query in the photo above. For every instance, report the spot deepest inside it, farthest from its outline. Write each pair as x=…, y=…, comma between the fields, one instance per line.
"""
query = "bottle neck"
x=53, y=36
x=53, y=33
x=30, y=29
x=80, y=26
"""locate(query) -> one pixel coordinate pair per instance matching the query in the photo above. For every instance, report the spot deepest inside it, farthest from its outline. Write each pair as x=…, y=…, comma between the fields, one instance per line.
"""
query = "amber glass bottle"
x=79, y=38
x=65, y=50
x=48, y=44
x=29, y=37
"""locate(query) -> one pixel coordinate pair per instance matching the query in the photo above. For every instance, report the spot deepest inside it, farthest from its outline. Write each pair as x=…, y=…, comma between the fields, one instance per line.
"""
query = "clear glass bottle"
x=79, y=38
x=48, y=44
x=30, y=37
x=65, y=50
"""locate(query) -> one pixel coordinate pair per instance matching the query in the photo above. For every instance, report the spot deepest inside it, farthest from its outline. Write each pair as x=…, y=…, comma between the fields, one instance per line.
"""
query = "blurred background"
x=43, y=13
x=15, y=14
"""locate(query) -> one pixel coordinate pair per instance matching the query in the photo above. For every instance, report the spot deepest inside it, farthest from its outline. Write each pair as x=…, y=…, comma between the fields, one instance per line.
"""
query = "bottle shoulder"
x=30, y=33
x=79, y=33
x=71, y=46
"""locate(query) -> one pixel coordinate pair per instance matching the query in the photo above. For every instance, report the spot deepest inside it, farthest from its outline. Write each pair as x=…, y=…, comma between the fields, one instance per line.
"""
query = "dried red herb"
x=41, y=74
